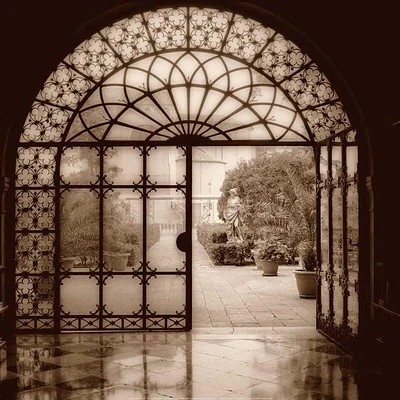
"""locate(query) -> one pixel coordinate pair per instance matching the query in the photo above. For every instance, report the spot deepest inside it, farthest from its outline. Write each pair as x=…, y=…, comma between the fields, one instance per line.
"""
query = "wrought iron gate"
x=120, y=218
x=125, y=216
x=156, y=77
x=337, y=190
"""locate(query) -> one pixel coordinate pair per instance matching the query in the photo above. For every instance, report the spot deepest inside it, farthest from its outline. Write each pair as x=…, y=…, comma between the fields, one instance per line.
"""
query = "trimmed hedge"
x=214, y=239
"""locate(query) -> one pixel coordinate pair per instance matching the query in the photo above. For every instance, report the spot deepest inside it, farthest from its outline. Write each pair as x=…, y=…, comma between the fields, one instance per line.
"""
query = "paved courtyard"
x=230, y=296
x=223, y=296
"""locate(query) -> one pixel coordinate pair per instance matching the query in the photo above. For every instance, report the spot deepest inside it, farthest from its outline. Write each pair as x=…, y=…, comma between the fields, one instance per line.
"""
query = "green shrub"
x=215, y=242
x=274, y=248
x=309, y=256
x=216, y=251
x=229, y=253
x=211, y=233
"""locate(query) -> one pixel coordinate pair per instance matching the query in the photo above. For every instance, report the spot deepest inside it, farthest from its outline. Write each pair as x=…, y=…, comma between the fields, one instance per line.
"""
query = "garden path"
x=230, y=296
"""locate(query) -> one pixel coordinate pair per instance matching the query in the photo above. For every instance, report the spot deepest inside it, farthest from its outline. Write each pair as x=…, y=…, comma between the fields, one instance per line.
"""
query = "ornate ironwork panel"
x=186, y=71
x=121, y=211
x=339, y=240
x=162, y=77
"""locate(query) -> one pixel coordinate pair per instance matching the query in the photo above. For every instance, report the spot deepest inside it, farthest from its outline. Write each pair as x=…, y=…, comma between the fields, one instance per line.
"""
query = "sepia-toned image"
x=194, y=202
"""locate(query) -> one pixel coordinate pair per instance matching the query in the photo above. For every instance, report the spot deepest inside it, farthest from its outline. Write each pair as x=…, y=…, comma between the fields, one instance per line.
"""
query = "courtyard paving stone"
x=233, y=297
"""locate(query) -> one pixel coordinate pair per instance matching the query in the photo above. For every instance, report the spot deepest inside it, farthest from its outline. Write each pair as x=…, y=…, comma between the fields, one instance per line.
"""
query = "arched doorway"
x=156, y=80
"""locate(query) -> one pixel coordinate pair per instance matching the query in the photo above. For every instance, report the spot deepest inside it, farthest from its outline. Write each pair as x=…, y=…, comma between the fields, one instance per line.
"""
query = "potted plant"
x=79, y=243
x=269, y=253
x=306, y=276
x=116, y=255
x=79, y=229
x=67, y=261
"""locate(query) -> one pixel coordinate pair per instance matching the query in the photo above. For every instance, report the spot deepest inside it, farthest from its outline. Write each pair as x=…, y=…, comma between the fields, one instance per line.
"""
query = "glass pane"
x=352, y=255
x=88, y=300
x=324, y=252
x=323, y=163
x=325, y=296
x=337, y=253
x=324, y=229
x=337, y=302
x=123, y=229
x=337, y=224
x=352, y=228
x=166, y=294
x=166, y=165
x=79, y=223
x=122, y=295
x=352, y=160
x=336, y=161
x=118, y=132
x=79, y=165
x=123, y=165
x=353, y=302
x=166, y=219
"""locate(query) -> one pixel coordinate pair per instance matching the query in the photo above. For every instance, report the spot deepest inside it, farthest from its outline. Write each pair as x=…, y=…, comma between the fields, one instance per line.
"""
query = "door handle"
x=182, y=242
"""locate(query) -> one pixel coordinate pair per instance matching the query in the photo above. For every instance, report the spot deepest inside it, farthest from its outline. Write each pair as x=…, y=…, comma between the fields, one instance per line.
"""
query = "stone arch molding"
x=186, y=71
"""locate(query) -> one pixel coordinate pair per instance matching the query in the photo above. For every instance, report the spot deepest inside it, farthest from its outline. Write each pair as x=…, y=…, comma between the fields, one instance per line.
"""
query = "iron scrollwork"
x=133, y=81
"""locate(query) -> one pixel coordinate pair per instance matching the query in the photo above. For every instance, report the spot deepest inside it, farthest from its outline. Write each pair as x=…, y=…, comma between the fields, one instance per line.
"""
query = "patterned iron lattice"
x=338, y=303
x=156, y=76
x=186, y=71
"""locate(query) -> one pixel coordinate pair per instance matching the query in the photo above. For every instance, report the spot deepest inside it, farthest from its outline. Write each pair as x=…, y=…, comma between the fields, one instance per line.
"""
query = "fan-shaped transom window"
x=187, y=93
x=186, y=71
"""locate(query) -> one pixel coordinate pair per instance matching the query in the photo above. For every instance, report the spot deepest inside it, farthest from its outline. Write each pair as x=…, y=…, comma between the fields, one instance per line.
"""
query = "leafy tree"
x=277, y=190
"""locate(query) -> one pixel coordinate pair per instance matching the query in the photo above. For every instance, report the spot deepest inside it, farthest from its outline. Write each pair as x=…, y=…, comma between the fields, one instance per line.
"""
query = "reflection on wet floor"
x=249, y=363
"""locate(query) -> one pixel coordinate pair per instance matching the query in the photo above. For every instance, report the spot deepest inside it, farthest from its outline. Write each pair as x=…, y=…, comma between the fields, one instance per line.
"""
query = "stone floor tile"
x=70, y=359
x=297, y=363
x=163, y=366
x=235, y=383
x=136, y=360
x=203, y=374
x=196, y=391
x=120, y=392
x=265, y=391
x=59, y=375
x=215, y=363
x=84, y=385
x=244, y=344
x=45, y=392
x=20, y=384
x=273, y=323
x=256, y=371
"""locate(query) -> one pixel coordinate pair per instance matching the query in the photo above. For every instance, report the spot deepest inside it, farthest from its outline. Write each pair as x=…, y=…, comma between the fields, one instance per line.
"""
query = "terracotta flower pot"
x=306, y=282
x=67, y=263
x=116, y=261
x=269, y=268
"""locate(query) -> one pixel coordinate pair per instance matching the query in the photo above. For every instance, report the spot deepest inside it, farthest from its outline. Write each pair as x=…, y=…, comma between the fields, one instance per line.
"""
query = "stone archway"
x=171, y=76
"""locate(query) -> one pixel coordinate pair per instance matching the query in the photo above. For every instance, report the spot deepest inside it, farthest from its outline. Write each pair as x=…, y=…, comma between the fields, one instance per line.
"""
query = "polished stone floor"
x=213, y=363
